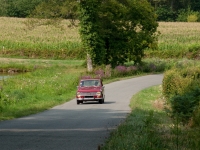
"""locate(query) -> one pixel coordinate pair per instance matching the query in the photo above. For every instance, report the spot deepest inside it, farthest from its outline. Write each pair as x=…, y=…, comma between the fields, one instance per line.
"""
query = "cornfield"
x=26, y=38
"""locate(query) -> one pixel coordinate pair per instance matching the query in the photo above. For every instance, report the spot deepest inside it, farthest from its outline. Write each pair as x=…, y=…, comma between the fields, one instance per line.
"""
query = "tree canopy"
x=116, y=31
x=166, y=10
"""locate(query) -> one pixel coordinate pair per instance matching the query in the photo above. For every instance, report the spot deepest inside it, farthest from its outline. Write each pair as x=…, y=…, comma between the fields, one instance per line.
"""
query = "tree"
x=21, y=8
x=141, y=27
x=112, y=31
x=90, y=35
x=115, y=31
x=65, y=9
x=4, y=4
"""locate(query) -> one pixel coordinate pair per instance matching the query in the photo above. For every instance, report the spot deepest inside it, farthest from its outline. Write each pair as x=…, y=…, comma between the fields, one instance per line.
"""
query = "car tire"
x=78, y=102
x=100, y=101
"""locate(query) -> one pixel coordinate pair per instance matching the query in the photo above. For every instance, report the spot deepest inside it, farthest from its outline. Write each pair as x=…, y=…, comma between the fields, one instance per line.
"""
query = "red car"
x=90, y=90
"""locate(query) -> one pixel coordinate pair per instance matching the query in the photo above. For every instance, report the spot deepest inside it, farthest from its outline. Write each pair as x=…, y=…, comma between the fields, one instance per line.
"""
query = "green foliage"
x=192, y=18
x=65, y=9
x=147, y=66
x=165, y=9
x=180, y=80
x=165, y=14
x=191, y=52
x=4, y=5
x=113, y=32
x=188, y=15
x=184, y=105
x=90, y=30
x=194, y=52
x=181, y=90
x=196, y=117
x=21, y=8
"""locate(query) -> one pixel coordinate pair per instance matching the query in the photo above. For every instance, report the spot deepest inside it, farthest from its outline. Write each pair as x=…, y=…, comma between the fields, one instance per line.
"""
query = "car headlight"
x=98, y=93
x=78, y=94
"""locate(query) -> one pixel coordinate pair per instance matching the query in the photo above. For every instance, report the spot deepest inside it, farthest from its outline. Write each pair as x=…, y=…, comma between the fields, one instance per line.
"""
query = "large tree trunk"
x=89, y=63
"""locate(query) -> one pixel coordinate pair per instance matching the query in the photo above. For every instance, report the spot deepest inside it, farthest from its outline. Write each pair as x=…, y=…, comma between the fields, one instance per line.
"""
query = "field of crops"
x=178, y=35
x=18, y=30
x=30, y=38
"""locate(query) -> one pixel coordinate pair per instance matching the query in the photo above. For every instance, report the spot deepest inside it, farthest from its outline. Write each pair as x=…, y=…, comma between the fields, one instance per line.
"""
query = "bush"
x=179, y=81
x=165, y=14
x=182, y=92
x=165, y=54
x=196, y=117
x=192, y=18
x=184, y=106
x=174, y=84
x=188, y=15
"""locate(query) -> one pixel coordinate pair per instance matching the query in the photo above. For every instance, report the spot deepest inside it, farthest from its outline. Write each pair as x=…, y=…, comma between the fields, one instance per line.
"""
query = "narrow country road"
x=71, y=126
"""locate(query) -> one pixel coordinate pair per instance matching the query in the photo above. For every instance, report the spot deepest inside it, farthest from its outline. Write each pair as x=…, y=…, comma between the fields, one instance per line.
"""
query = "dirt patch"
x=159, y=104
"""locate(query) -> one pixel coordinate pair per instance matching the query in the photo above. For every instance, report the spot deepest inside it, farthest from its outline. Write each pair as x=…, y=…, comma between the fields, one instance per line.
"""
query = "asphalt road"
x=71, y=126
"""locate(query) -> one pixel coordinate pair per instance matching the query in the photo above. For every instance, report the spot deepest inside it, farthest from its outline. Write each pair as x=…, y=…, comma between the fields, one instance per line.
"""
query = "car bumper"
x=88, y=99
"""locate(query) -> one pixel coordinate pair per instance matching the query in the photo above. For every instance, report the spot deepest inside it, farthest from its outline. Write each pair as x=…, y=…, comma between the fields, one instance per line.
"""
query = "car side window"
x=82, y=83
x=96, y=83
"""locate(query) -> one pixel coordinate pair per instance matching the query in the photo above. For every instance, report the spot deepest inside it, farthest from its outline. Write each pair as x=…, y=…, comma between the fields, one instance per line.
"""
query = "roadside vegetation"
x=53, y=61
x=49, y=83
x=149, y=127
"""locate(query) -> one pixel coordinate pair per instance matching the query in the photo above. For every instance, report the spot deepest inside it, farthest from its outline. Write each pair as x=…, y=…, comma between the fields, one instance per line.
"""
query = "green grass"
x=148, y=127
x=50, y=83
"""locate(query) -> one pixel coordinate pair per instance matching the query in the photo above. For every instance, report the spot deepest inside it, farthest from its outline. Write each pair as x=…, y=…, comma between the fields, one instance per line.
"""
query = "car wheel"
x=78, y=102
x=100, y=101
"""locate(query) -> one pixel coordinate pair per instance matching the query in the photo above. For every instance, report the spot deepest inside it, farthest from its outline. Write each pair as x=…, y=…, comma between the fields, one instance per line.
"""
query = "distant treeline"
x=166, y=10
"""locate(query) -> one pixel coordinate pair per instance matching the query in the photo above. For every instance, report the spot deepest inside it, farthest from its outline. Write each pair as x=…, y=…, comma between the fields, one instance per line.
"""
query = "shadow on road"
x=60, y=129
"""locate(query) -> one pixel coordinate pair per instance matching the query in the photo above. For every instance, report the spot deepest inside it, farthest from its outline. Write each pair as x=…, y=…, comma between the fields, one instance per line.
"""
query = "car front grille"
x=88, y=94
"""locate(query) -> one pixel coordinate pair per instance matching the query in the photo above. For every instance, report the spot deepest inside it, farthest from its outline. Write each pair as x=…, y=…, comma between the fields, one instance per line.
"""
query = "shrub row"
x=45, y=54
x=76, y=52
x=181, y=88
x=147, y=66
x=192, y=52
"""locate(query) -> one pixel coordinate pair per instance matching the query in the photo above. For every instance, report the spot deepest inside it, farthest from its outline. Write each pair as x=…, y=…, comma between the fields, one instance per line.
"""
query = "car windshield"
x=86, y=83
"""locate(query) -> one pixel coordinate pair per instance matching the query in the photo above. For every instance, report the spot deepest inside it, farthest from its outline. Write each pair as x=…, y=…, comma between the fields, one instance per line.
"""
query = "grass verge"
x=51, y=83
x=148, y=127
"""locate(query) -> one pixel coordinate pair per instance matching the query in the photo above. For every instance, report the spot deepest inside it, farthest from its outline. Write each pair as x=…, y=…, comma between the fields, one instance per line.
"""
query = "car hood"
x=89, y=89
